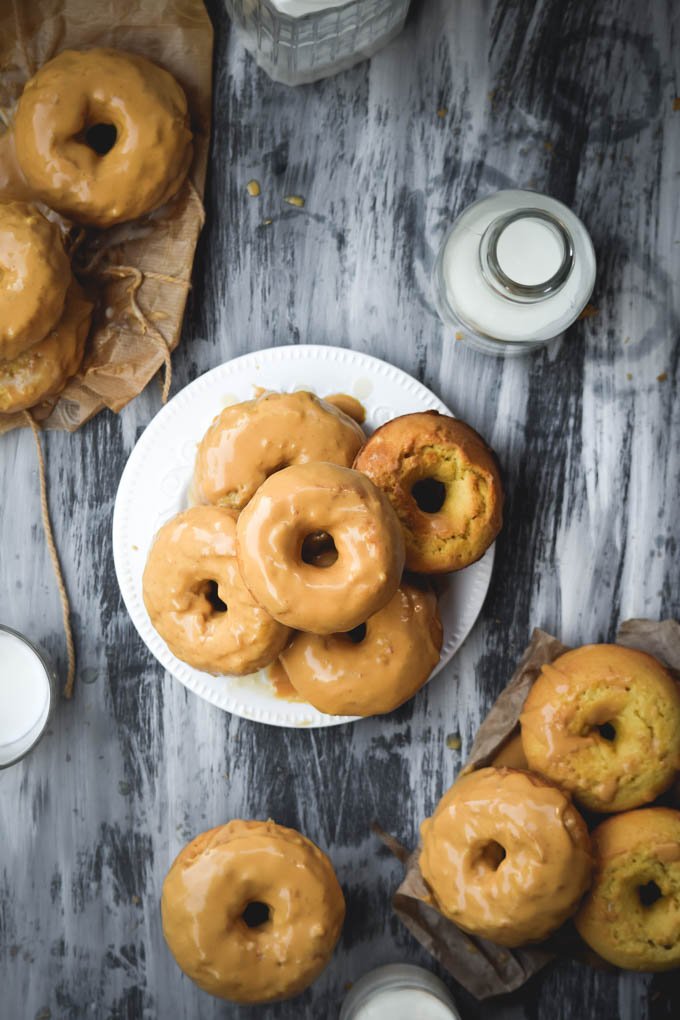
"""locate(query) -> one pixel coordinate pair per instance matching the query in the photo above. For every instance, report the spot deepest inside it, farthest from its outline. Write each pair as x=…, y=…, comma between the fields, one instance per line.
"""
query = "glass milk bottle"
x=298, y=41
x=513, y=272
x=399, y=991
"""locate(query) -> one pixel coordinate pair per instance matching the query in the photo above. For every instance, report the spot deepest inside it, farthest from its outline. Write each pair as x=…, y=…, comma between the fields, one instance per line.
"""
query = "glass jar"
x=399, y=991
x=28, y=693
x=299, y=41
x=513, y=272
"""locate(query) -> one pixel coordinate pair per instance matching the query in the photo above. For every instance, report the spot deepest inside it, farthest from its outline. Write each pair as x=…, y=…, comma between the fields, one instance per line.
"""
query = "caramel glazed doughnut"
x=197, y=601
x=631, y=916
x=103, y=136
x=506, y=856
x=252, y=911
x=444, y=484
x=34, y=277
x=43, y=370
x=377, y=666
x=603, y=721
x=320, y=548
x=249, y=441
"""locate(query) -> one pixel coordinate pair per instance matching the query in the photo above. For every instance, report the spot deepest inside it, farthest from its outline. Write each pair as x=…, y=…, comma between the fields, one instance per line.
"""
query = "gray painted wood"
x=571, y=98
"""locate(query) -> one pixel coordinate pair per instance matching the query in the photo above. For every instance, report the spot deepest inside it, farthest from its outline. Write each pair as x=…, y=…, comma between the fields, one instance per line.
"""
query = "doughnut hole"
x=255, y=914
x=98, y=135
x=318, y=549
x=649, y=894
x=429, y=495
x=357, y=634
x=489, y=856
x=607, y=731
x=210, y=591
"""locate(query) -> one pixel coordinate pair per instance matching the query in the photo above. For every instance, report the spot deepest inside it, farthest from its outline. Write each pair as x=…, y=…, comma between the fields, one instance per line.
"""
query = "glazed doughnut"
x=103, y=136
x=603, y=721
x=320, y=548
x=443, y=481
x=197, y=601
x=252, y=911
x=247, y=442
x=376, y=667
x=506, y=856
x=44, y=369
x=35, y=274
x=631, y=916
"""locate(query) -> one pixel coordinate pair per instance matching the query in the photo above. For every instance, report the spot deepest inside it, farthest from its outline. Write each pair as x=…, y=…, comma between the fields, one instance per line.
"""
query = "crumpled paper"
x=138, y=273
x=481, y=967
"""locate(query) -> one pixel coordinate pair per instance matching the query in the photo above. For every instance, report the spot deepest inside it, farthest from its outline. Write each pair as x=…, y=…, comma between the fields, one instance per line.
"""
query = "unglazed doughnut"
x=197, y=601
x=443, y=481
x=603, y=721
x=249, y=441
x=320, y=548
x=103, y=136
x=376, y=667
x=34, y=277
x=631, y=916
x=506, y=856
x=230, y=877
x=43, y=370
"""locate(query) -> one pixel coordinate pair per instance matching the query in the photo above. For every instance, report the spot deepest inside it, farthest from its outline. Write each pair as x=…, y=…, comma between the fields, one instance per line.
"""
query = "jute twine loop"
x=54, y=556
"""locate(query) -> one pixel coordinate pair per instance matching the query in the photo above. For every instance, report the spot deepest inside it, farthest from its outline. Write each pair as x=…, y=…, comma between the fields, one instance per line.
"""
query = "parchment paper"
x=482, y=968
x=125, y=348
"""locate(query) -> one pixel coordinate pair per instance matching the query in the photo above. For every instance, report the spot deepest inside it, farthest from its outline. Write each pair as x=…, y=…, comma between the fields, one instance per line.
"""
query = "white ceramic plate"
x=155, y=482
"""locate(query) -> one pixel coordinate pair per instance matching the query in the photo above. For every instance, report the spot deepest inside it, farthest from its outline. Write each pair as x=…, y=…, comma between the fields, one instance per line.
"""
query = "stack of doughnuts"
x=101, y=137
x=508, y=857
x=301, y=530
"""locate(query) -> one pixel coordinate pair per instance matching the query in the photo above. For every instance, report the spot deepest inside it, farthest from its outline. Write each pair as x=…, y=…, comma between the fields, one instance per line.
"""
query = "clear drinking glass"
x=303, y=48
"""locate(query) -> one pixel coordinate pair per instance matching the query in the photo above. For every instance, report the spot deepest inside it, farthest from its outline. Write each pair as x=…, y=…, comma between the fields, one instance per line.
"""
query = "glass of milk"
x=513, y=272
x=299, y=41
x=399, y=992
x=28, y=692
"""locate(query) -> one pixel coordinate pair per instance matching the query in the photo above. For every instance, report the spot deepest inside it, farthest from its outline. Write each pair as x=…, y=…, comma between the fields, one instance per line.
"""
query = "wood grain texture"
x=575, y=99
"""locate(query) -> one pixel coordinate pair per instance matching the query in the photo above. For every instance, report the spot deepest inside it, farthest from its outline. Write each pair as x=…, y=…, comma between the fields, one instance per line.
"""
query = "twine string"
x=54, y=556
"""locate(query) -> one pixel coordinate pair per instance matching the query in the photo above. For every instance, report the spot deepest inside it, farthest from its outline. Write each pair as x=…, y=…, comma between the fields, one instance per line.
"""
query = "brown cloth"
x=139, y=273
x=479, y=966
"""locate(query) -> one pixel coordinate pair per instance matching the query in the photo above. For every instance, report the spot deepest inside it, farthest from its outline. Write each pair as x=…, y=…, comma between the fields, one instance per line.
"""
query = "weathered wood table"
x=575, y=99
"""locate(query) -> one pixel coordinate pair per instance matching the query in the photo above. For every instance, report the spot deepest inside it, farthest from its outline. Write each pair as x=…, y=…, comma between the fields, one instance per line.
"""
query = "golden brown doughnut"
x=76, y=105
x=603, y=721
x=34, y=277
x=197, y=601
x=43, y=370
x=377, y=666
x=506, y=856
x=320, y=548
x=227, y=879
x=444, y=483
x=631, y=916
x=249, y=441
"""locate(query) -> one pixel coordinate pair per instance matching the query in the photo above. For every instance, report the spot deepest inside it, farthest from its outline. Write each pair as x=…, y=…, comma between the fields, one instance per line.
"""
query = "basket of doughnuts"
x=312, y=548
x=561, y=836
x=102, y=168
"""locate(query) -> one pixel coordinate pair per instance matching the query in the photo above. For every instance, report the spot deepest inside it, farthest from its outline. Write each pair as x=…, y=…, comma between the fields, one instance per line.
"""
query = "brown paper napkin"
x=139, y=309
x=481, y=967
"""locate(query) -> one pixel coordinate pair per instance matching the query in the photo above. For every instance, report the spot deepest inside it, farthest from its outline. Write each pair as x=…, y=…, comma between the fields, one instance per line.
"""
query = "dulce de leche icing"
x=320, y=548
x=631, y=916
x=374, y=668
x=249, y=441
x=34, y=277
x=103, y=136
x=43, y=370
x=603, y=721
x=197, y=601
x=252, y=911
x=506, y=856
